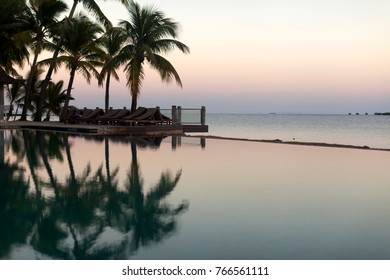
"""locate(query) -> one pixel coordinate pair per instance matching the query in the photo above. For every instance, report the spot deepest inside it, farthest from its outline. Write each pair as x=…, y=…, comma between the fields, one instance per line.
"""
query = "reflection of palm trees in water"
x=17, y=209
x=85, y=207
x=152, y=219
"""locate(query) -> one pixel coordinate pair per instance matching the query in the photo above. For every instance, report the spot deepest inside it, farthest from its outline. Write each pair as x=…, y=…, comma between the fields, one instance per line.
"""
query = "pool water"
x=85, y=197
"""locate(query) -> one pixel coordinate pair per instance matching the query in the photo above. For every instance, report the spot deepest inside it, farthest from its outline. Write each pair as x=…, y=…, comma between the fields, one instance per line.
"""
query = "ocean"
x=359, y=130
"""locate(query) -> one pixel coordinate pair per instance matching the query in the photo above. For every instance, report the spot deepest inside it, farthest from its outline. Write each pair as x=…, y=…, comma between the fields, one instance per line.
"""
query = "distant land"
x=382, y=114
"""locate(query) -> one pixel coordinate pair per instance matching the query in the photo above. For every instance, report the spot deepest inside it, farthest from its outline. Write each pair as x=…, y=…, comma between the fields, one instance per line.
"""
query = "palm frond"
x=165, y=69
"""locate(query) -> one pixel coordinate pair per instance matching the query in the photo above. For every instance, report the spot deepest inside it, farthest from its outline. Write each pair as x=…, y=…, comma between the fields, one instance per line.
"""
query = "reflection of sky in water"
x=249, y=200
x=255, y=200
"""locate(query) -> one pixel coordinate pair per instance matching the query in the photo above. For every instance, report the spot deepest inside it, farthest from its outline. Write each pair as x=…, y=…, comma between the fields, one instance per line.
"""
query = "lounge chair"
x=136, y=113
x=111, y=116
x=87, y=117
x=145, y=117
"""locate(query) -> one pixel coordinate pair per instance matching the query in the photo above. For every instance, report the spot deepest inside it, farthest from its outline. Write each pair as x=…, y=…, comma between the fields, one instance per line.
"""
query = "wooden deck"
x=107, y=129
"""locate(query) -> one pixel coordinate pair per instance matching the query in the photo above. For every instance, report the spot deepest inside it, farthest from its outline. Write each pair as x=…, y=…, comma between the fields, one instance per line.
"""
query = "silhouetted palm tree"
x=149, y=33
x=111, y=44
x=81, y=53
x=94, y=9
x=41, y=22
x=54, y=99
x=12, y=49
x=15, y=94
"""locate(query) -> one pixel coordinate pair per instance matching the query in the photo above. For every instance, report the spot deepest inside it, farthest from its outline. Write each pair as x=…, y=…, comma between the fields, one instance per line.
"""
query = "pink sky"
x=268, y=56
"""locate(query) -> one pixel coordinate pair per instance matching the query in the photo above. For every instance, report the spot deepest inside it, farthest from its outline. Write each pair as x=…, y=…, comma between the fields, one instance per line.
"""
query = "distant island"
x=382, y=114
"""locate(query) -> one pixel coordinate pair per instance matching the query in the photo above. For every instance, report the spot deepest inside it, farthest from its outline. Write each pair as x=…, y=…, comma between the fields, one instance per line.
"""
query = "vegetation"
x=29, y=27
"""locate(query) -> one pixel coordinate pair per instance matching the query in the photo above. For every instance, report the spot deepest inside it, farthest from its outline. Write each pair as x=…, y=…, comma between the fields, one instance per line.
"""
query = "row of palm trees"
x=94, y=49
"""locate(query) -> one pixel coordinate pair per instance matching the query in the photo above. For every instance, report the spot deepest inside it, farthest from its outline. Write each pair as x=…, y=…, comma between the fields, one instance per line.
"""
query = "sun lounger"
x=85, y=117
x=111, y=116
x=145, y=117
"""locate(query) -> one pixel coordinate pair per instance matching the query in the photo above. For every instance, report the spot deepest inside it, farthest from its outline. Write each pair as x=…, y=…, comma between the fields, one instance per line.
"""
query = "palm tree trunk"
x=68, y=91
x=107, y=97
x=11, y=108
x=1, y=102
x=133, y=102
x=27, y=95
x=48, y=114
x=46, y=81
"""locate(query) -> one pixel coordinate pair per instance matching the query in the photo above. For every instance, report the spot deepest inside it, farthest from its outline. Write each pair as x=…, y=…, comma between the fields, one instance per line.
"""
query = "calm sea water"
x=83, y=197
x=360, y=130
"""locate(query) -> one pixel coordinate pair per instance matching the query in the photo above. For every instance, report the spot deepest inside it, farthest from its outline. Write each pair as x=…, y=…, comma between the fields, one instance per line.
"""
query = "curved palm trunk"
x=46, y=81
x=27, y=95
x=68, y=91
x=11, y=107
x=48, y=114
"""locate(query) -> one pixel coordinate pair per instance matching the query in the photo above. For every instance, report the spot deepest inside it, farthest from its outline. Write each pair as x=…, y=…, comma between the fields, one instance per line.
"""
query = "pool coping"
x=101, y=129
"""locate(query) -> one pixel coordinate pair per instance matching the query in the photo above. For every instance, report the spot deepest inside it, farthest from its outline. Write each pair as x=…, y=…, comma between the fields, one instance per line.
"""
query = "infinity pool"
x=83, y=197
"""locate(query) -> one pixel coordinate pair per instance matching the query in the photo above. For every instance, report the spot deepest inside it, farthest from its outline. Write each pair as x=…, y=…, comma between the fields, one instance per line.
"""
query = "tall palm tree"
x=149, y=34
x=111, y=44
x=41, y=22
x=92, y=7
x=81, y=53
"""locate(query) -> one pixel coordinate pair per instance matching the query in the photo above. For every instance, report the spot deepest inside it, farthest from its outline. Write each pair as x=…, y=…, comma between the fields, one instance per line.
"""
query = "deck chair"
x=148, y=117
x=87, y=117
x=111, y=116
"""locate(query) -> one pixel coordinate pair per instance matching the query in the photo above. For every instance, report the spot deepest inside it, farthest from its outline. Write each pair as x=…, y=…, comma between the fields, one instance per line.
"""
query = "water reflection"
x=80, y=213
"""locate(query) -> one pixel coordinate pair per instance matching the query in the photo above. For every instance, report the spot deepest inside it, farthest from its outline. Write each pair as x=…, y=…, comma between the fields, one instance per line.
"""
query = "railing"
x=188, y=116
x=4, y=109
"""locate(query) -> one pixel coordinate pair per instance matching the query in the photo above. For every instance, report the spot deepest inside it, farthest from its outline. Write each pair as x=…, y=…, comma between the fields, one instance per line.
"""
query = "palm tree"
x=12, y=49
x=15, y=95
x=149, y=33
x=41, y=22
x=111, y=44
x=91, y=6
x=54, y=98
x=81, y=53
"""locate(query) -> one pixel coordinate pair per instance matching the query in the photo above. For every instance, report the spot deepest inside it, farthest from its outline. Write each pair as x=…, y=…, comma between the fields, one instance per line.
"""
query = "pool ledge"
x=106, y=129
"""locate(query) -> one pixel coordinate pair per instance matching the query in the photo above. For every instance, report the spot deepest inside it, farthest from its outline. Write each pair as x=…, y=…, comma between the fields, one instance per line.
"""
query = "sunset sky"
x=260, y=56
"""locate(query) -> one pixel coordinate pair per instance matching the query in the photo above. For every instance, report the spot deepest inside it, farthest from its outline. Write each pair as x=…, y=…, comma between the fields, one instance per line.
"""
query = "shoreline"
x=299, y=143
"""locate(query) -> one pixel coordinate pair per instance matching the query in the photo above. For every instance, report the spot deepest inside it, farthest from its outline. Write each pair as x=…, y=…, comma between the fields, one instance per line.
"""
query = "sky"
x=261, y=56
